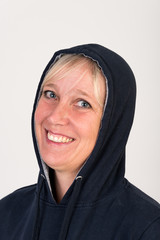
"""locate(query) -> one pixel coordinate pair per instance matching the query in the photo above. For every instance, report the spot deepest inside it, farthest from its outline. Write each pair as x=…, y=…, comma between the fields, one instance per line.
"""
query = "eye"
x=49, y=94
x=83, y=104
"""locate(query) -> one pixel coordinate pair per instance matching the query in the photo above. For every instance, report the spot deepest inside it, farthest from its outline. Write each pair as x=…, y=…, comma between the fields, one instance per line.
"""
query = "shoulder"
x=144, y=212
x=139, y=198
x=15, y=210
x=21, y=198
x=20, y=192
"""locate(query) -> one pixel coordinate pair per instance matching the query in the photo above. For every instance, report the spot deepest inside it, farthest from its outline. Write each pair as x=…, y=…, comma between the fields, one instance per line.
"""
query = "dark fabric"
x=101, y=203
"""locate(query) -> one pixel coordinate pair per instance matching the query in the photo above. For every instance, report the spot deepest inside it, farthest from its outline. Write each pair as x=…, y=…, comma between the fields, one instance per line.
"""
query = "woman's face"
x=67, y=120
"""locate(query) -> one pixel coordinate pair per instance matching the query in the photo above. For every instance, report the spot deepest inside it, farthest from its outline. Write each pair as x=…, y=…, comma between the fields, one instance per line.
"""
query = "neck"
x=62, y=182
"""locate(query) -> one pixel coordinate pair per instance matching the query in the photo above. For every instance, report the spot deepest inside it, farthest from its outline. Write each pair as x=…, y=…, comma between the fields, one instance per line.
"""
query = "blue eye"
x=83, y=104
x=50, y=94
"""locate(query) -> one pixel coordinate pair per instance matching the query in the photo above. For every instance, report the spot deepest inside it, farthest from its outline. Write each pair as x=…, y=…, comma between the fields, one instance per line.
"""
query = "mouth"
x=57, y=138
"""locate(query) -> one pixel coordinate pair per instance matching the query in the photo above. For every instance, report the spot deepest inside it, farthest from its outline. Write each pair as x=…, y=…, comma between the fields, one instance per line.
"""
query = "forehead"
x=66, y=64
x=62, y=70
x=74, y=78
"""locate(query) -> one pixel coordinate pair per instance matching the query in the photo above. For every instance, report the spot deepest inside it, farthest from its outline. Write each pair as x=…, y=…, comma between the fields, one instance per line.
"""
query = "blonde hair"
x=67, y=63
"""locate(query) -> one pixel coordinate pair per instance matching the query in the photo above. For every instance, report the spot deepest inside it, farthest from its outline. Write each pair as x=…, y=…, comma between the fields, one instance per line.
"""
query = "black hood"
x=104, y=170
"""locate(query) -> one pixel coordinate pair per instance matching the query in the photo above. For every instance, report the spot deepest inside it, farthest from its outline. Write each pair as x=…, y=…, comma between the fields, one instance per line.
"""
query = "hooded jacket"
x=100, y=203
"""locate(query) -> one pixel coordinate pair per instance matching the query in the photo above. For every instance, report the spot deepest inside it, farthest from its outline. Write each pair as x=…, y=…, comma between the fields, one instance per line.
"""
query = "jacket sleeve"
x=152, y=232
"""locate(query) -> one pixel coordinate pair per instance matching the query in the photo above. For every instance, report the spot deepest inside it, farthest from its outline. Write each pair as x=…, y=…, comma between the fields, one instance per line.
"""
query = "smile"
x=58, y=138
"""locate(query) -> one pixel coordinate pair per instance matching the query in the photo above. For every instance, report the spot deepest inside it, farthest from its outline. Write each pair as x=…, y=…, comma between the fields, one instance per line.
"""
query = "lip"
x=59, y=135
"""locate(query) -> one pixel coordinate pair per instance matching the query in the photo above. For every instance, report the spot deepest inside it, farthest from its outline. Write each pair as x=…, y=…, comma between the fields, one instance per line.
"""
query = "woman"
x=81, y=120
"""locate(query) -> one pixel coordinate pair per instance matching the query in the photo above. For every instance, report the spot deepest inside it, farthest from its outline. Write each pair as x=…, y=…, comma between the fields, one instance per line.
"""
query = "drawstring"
x=35, y=228
x=70, y=208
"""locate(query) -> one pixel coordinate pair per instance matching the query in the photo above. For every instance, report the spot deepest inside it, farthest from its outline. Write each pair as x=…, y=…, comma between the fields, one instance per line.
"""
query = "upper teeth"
x=58, y=138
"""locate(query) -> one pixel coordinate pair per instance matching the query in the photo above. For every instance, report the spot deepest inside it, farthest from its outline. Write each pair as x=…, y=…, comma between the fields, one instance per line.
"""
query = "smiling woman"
x=82, y=116
x=68, y=116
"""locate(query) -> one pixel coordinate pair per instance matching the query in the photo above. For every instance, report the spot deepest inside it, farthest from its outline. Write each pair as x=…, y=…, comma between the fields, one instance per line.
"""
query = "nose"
x=59, y=114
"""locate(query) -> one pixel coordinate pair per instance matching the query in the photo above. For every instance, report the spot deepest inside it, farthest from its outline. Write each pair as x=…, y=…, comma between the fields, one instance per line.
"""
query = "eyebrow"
x=76, y=90
x=82, y=92
x=50, y=85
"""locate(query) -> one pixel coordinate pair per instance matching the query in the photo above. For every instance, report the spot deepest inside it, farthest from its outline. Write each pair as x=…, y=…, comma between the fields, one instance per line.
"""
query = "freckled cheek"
x=38, y=116
x=87, y=126
x=41, y=112
x=37, y=120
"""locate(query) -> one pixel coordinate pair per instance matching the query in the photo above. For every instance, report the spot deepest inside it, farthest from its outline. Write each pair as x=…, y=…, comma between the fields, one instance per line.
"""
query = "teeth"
x=59, y=139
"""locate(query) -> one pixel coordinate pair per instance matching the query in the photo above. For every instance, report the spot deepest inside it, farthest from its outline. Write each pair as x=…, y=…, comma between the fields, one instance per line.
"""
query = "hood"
x=103, y=172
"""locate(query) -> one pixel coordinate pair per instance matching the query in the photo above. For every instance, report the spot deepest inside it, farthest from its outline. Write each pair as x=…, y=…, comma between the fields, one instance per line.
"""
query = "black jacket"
x=101, y=203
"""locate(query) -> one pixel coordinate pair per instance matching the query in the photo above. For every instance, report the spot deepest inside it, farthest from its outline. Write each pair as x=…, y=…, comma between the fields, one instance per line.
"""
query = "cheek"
x=40, y=112
x=37, y=123
x=88, y=126
x=37, y=116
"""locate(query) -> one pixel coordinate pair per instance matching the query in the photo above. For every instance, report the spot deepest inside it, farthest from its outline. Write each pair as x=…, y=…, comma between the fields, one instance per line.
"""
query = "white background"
x=31, y=31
